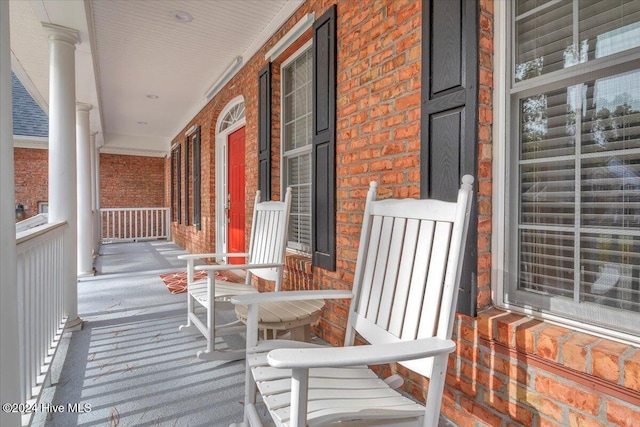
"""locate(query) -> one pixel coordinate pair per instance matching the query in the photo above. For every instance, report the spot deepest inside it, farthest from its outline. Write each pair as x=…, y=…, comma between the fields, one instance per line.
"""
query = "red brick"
x=407, y=101
x=543, y=405
x=578, y=398
x=632, y=371
x=623, y=415
x=548, y=345
x=480, y=412
x=506, y=328
x=486, y=322
x=31, y=177
x=574, y=352
x=605, y=357
x=132, y=181
x=581, y=420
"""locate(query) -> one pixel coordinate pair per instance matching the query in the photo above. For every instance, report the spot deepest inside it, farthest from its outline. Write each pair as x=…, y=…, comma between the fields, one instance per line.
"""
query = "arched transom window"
x=235, y=114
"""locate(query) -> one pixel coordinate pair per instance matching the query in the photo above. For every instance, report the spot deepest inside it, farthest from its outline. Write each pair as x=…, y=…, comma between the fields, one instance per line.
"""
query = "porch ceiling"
x=135, y=48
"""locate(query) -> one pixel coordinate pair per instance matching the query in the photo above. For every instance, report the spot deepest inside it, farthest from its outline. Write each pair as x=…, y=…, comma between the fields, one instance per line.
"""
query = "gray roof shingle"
x=28, y=117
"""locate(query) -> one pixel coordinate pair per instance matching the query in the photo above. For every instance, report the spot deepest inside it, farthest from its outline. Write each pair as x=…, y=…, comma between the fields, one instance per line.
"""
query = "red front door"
x=235, y=198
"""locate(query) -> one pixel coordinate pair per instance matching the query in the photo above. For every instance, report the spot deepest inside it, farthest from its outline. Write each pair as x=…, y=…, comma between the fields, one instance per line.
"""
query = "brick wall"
x=131, y=181
x=31, y=178
x=513, y=370
x=555, y=376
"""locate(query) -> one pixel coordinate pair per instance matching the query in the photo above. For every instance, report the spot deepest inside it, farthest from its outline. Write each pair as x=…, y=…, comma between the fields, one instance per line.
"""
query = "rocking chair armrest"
x=212, y=255
x=221, y=267
x=304, y=358
x=258, y=298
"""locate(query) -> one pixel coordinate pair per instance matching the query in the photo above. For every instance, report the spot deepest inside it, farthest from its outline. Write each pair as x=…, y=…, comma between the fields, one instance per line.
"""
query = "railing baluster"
x=40, y=300
x=126, y=224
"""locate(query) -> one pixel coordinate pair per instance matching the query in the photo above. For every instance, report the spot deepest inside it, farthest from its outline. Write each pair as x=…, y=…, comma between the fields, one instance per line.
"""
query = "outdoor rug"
x=177, y=282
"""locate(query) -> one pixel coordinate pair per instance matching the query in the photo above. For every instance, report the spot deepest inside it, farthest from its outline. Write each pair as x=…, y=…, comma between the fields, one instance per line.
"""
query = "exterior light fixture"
x=142, y=123
x=152, y=96
x=181, y=16
x=19, y=212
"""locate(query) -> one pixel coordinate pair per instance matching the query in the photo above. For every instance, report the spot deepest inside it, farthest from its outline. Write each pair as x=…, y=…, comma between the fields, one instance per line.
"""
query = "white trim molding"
x=36, y=142
x=224, y=78
x=105, y=149
x=499, y=138
x=221, y=172
x=292, y=35
x=191, y=130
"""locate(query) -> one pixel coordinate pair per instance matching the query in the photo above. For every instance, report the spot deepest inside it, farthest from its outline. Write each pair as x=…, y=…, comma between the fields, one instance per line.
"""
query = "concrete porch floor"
x=129, y=364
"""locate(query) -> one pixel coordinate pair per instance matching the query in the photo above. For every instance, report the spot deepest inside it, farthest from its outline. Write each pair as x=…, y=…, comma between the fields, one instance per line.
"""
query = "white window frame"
x=503, y=118
x=295, y=152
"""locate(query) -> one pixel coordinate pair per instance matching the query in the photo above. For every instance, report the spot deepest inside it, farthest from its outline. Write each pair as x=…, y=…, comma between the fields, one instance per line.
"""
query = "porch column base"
x=74, y=325
x=90, y=273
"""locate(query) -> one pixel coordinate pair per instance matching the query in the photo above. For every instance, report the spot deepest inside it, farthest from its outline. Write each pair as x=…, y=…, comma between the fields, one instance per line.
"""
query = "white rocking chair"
x=403, y=303
x=265, y=259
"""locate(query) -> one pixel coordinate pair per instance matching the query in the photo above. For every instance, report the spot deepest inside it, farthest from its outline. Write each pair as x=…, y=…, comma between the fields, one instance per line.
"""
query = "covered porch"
x=129, y=365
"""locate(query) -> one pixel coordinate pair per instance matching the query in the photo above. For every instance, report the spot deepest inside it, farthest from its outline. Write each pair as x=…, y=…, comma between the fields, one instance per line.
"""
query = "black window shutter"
x=264, y=132
x=178, y=182
x=323, y=203
x=186, y=181
x=173, y=185
x=449, y=115
x=196, y=180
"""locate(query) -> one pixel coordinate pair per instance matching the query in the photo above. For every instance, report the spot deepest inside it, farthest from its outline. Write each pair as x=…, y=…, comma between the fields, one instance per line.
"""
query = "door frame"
x=221, y=173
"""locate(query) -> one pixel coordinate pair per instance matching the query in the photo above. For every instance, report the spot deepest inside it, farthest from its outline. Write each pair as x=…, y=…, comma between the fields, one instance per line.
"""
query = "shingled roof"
x=28, y=117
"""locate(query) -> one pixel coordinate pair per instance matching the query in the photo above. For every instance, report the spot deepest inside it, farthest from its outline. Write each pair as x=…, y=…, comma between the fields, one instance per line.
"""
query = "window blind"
x=578, y=161
x=547, y=41
x=298, y=115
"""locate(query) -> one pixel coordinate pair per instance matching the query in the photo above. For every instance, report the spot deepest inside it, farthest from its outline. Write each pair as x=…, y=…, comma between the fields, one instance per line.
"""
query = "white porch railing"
x=133, y=224
x=40, y=305
x=34, y=221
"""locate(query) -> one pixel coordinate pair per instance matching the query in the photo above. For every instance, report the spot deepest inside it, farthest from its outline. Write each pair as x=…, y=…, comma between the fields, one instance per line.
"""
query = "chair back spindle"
x=408, y=270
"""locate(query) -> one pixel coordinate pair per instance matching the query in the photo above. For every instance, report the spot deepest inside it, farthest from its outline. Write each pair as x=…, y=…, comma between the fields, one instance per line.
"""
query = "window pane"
x=609, y=26
x=548, y=193
x=610, y=143
x=299, y=179
x=601, y=223
x=611, y=119
x=523, y=6
x=547, y=40
x=610, y=266
x=610, y=192
x=548, y=124
x=541, y=41
x=297, y=112
x=578, y=162
x=546, y=262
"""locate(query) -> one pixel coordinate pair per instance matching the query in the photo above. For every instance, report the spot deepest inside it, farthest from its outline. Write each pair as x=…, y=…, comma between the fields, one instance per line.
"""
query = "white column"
x=95, y=192
x=9, y=368
x=85, y=224
x=62, y=156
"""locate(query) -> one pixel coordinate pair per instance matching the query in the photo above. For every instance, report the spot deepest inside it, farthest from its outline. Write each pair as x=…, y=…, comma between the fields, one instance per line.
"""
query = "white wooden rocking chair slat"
x=265, y=259
x=404, y=295
x=281, y=311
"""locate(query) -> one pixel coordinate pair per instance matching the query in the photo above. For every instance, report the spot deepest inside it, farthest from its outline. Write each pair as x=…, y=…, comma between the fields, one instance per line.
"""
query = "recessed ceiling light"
x=181, y=16
x=152, y=96
x=142, y=123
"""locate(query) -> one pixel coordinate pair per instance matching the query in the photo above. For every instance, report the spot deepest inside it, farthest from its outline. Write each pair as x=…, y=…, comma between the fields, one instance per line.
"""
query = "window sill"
x=609, y=366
